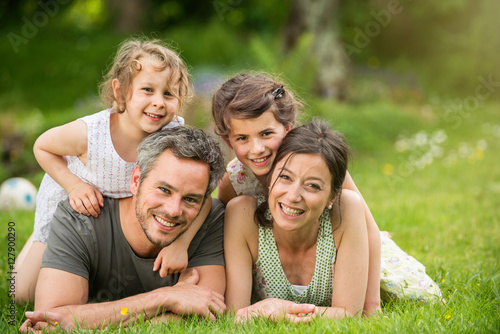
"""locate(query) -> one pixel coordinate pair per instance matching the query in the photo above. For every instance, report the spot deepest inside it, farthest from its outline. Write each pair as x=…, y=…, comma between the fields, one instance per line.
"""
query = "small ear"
x=226, y=140
x=288, y=127
x=116, y=89
x=134, y=180
x=332, y=201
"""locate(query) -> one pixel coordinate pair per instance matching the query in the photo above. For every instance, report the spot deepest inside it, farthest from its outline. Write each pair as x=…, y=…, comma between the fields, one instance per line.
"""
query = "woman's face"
x=256, y=140
x=300, y=191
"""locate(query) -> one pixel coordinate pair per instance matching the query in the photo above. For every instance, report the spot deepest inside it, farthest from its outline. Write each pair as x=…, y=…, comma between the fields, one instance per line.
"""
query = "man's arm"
x=63, y=296
x=213, y=277
x=174, y=258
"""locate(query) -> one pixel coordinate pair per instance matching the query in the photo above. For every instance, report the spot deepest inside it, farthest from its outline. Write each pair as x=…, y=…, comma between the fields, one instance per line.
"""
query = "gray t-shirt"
x=96, y=249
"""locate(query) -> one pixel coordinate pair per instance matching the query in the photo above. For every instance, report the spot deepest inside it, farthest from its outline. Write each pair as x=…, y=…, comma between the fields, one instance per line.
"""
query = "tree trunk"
x=126, y=15
x=319, y=17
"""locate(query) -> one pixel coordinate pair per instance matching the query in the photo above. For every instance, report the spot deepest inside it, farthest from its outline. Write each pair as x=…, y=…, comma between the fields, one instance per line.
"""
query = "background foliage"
x=421, y=114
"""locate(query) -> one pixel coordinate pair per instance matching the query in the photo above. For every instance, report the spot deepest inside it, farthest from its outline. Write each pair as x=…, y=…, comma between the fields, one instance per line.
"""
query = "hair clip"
x=278, y=92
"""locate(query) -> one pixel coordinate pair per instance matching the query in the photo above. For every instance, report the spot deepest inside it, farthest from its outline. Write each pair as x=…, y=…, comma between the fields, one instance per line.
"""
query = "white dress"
x=105, y=170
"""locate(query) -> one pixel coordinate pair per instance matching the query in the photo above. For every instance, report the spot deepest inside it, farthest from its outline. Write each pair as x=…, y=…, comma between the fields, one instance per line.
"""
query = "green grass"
x=446, y=215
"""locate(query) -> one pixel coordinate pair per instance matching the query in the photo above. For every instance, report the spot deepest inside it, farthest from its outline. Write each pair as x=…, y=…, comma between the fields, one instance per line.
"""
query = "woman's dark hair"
x=313, y=138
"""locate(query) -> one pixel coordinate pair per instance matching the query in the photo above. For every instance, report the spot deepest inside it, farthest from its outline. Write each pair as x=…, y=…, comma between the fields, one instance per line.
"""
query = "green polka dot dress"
x=269, y=279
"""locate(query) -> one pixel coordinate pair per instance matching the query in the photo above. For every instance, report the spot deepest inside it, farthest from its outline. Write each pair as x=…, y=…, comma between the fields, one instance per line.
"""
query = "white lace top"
x=105, y=170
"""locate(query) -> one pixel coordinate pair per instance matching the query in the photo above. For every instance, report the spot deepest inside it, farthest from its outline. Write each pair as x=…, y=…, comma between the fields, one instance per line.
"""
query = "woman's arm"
x=240, y=249
x=351, y=266
x=372, y=301
x=241, y=243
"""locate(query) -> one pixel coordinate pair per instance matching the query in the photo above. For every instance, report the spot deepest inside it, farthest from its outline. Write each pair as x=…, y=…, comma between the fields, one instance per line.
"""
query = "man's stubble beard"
x=142, y=218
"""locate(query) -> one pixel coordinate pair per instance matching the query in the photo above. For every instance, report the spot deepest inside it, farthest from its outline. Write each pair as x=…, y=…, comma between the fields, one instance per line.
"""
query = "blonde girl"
x=91, y=157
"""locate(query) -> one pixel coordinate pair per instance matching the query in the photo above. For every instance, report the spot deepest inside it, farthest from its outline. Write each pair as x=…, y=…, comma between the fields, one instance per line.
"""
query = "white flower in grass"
x=420, y=138
x=496, y=131
x=482, y=144
x=451, y=159
x=427, y=158
x=420, y=163
x=439, y=136
x=436, y=151
x=402, y=145
x=464, y=150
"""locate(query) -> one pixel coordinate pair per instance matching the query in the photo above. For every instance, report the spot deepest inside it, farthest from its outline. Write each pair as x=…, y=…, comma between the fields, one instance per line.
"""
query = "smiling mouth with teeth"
x=291, y=212
x=260, y=159
x=153, y=116
x=164, y=222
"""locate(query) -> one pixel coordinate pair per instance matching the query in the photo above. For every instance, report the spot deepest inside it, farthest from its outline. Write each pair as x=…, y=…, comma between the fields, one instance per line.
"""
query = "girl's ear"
x=288, y=127
x=134, y=180
x=226, y=140
x=116, y=89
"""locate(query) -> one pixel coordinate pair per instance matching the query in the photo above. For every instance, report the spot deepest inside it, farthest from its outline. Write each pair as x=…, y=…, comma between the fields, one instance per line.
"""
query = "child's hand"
x=172, y=260
x=85, y=199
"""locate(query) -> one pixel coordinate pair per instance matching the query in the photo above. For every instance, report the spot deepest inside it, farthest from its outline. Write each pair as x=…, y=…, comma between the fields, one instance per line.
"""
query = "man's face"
x=170, y=197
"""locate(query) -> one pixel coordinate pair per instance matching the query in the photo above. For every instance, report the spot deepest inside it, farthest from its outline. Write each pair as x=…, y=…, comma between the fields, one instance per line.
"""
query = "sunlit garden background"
x=414, y=85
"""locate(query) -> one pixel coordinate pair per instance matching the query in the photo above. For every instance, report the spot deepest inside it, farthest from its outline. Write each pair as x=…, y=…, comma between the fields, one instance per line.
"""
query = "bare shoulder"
x=351, y=200
x=239, y=222
x=351, y=217
x=240, y=211
x=242, y=203
x=67, y=139
x=77, y=127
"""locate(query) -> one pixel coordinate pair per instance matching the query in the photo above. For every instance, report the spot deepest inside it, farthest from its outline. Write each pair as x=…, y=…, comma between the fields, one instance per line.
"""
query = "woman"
x=282, y=253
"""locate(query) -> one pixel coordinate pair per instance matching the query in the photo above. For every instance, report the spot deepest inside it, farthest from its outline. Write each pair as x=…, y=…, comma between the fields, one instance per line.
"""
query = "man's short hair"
x=185, y=143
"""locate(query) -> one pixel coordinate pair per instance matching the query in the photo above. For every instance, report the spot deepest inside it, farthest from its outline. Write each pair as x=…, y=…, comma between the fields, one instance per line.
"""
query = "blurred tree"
x=447, y=44
x=10, y=9
x=320, y=18
x=163, y=14
x=127, y=15
x=17, y=12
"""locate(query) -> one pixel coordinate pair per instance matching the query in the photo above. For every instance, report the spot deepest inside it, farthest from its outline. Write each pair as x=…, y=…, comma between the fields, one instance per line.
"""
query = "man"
x=98, y=271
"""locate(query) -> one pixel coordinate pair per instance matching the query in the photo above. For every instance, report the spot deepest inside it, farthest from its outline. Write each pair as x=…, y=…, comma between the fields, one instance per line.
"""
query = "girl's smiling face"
x=149, y=103
x=256, y=140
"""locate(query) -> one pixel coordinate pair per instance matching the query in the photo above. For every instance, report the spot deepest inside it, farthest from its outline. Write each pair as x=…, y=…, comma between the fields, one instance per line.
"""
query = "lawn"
x=434, y=184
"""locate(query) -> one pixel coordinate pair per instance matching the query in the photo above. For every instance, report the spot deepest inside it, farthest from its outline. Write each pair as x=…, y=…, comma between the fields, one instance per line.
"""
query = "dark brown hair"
x=248, y=96
x=312, y=138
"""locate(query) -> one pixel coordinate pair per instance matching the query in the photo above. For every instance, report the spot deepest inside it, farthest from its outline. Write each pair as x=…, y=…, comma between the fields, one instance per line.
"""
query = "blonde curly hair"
x=126, y=65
